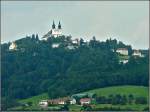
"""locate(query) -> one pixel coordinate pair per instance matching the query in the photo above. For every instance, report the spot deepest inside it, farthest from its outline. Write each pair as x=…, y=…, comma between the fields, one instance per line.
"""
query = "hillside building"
x=43, y=103
x=13, y=46
x=122, y=51
x=85, y=101
x=137, y=53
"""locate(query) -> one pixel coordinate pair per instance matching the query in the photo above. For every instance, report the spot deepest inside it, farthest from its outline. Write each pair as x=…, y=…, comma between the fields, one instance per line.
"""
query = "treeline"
x=121, y=99
x=36, y=67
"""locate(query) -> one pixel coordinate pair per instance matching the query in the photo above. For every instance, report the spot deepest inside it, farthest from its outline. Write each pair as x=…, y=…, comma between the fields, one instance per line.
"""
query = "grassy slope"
x=126, y=90
x=36, y=99
x=135, y=90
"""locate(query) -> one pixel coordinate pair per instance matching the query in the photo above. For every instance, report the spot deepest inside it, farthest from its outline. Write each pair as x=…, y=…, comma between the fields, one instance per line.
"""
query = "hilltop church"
x=56, y=32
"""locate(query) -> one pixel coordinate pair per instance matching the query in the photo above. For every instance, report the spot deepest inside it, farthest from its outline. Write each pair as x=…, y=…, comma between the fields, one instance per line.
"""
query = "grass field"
x=122, y=90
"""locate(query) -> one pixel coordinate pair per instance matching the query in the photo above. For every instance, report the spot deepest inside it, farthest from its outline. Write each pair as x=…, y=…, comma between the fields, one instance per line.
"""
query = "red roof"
x=85, y=99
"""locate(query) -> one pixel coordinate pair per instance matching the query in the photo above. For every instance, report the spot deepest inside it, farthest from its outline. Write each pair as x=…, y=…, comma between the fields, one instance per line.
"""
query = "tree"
x=29, y=103
x=81, y=41
x=37, y=37
x=130, y=98
x=140, y=100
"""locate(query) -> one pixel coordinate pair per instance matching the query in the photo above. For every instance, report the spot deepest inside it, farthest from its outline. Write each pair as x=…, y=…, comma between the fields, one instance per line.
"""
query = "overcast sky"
x=126, y=21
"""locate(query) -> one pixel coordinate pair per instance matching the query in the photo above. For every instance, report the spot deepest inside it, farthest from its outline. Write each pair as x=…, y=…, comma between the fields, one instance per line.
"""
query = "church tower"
x=53, y=25
x=59, y=25
x=55, y=32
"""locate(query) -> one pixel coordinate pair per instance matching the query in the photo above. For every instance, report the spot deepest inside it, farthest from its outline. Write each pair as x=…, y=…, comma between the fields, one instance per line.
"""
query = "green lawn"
x=76, y=108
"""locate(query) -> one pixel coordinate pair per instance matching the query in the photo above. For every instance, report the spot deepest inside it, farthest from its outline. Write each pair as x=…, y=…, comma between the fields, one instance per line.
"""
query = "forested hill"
x=38, y=66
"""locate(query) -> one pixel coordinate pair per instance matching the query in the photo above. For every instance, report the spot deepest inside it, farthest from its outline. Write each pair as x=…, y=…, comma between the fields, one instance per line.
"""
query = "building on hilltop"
x=55, y=32
x=122, y=51
x=13, y=46
x=137, y=53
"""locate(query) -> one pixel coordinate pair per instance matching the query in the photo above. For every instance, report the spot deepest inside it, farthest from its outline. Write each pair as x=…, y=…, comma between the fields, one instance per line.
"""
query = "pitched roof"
x=85, y=99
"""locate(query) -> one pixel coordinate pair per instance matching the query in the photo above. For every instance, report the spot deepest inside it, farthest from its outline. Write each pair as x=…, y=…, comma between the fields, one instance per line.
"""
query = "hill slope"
x=136, y=91
x=37, y=67
x=122, y=90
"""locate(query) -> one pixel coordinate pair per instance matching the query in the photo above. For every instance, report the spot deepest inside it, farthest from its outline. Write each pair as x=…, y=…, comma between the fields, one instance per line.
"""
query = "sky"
x=127, y=21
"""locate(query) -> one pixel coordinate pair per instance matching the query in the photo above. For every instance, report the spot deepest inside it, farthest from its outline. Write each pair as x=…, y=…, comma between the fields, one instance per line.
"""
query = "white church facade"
x=55, y=31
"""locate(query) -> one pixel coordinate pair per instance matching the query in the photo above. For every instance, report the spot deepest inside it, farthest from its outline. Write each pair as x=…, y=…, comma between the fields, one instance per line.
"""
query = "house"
x=43, y=103
x=85, y=101
x=122, y=51
x=55, y=45
x=137, y=53
x=70, y=47
x=124, y=61
x=75, y=41
x=73, y=101
x=60, y=101
x=13, y=46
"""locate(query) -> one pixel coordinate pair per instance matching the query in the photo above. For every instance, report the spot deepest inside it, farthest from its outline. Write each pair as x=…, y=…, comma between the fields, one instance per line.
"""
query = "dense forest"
x=36, y=67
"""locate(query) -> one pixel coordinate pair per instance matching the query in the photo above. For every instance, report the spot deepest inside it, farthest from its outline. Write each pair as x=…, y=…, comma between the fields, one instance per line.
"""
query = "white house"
x=13, y=46
x=124, y=61
x=122, y=51
x=43, y=103
x=137, y=53
x=70, y=47
x=55, y=45
x=75, y=41
x=73, y=101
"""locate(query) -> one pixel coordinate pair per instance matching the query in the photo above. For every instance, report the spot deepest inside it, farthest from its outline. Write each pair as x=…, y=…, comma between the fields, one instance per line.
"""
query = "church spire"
x=53, y=26
x=59, y=25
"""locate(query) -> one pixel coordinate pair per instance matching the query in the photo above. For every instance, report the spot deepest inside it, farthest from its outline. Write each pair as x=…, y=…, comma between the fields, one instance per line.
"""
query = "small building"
x=124, y=61
x=73, y=101
x=55, y=45
x=60, y=101
x=13, y=46
x=85, y=101
x=70, y=47
x=137, y=53
x=43, y=103
x=122, y=51
x=75, y=41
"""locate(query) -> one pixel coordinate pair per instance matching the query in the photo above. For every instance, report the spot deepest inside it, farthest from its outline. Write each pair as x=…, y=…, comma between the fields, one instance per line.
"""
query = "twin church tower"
x=56, y=32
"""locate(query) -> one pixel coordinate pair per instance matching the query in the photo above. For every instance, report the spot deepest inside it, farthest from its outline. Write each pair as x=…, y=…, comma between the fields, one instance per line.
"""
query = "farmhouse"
x=122, y=51
x=85, y=101
x=60, y=101
x=73, y=101
x=43, y=103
